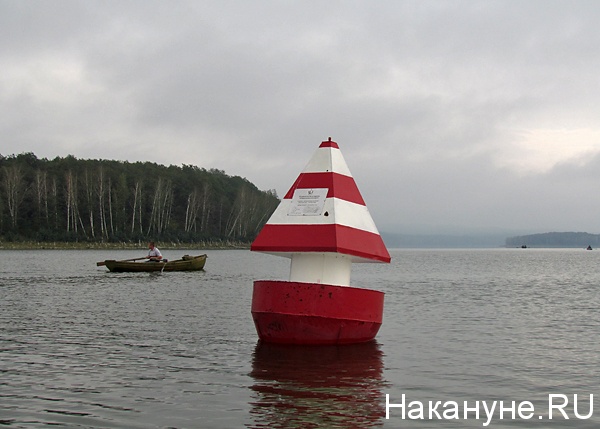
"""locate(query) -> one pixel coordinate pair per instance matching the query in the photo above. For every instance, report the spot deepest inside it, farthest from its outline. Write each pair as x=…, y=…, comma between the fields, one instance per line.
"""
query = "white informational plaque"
x=308, y=202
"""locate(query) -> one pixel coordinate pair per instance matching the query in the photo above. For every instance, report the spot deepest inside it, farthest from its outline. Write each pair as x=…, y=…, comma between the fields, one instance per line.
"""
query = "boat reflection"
x=338, y=386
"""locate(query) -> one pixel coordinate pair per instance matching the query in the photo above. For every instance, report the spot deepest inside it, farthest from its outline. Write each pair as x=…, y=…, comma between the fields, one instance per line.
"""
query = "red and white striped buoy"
x=323, y=225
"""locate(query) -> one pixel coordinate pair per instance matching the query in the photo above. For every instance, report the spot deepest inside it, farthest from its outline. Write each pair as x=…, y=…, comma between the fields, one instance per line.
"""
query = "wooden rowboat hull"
x=187, y=263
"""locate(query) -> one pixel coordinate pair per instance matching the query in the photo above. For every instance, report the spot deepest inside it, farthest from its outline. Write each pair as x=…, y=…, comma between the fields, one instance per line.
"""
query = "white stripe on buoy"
x=327, y=160
x=335, y=211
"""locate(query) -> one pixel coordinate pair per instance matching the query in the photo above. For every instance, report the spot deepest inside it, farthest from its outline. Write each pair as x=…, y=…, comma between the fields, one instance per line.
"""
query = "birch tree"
x=100, y=193
x=162, y=205
x=14, y=187
x=137, y=206
x=41, y=194
x=89, y=199
x=71, y=200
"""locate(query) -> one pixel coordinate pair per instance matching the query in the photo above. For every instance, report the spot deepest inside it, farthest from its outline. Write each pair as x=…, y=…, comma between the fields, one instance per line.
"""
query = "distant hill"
x=555, y=239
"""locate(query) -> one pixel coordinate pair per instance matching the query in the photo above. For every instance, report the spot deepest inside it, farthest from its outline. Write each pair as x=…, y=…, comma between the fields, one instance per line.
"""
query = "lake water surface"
x=84, y=348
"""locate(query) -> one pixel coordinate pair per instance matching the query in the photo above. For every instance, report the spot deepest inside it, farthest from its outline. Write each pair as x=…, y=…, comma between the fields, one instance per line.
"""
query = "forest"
x=103, y=201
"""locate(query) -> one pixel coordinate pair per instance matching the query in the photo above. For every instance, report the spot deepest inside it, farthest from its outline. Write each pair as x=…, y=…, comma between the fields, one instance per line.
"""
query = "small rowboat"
x=187, y=263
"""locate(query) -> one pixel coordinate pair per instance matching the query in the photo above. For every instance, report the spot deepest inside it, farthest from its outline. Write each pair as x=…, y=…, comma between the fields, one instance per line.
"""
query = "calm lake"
x=84, y=348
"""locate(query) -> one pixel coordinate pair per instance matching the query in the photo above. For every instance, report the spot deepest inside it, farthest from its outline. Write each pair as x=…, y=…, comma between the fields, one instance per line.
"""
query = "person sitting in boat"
x=153, y=254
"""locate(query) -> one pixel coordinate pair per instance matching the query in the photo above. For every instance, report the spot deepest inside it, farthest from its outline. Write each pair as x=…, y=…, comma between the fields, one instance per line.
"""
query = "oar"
x=101, y=264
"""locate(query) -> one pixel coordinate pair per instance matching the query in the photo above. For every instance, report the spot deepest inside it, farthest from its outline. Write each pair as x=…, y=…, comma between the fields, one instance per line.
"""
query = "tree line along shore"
x=76, y=203
x=78, y=245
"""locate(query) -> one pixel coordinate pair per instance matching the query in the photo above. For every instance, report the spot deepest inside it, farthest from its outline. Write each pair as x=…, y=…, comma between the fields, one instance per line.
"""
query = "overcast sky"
x=452, y=115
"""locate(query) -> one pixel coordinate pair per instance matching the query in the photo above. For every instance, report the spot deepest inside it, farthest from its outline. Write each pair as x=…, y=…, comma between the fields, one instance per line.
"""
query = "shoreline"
x=57, y=245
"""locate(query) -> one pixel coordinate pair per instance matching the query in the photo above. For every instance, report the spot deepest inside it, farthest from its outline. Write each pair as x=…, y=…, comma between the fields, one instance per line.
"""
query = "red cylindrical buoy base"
x=313, y=313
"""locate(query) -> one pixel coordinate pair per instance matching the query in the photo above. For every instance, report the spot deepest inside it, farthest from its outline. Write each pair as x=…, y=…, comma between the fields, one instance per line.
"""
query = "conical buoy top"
x=323, y=212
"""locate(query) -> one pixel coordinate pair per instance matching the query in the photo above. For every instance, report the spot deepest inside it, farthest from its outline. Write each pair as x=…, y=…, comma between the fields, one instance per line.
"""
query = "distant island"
x=555, y=239
x=492, y=240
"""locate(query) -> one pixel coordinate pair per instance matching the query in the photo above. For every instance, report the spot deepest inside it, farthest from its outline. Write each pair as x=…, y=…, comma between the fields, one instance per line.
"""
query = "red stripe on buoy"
x=329, y=143
x=310, y=313
x=321, y=238
x=340, y=186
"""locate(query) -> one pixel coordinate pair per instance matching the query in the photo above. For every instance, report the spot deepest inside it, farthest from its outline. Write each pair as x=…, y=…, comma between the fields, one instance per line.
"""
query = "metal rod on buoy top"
x=323, y=225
